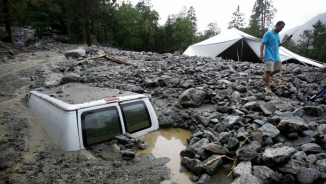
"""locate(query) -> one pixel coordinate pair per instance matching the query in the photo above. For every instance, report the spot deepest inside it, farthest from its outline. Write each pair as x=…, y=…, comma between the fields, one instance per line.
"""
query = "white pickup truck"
x=81, y=115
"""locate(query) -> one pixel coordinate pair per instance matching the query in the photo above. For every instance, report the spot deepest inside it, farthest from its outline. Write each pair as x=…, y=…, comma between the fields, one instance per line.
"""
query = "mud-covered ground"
x=28, y=155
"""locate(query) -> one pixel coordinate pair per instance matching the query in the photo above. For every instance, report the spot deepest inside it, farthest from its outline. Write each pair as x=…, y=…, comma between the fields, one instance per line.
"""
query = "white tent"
x=236, y=44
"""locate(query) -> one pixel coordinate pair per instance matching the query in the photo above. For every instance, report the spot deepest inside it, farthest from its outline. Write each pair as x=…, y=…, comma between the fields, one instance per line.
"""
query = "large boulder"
x=75, y=53
x=246, y=179
x=70, y=77
x=308, y=175
x=265, y=174
x=243, y=167
x=273, y=156
x=269, y=130
x=211, y=166
x=292, y=124
x=194, y=149
x=193, y=165
x=192, y=98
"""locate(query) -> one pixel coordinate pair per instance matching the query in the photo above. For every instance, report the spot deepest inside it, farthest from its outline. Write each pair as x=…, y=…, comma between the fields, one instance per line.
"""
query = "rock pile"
x=272, y=139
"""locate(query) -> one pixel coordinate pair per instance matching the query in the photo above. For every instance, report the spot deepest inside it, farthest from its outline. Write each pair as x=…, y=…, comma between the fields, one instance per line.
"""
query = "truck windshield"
x=100, y=125
x=136, y=116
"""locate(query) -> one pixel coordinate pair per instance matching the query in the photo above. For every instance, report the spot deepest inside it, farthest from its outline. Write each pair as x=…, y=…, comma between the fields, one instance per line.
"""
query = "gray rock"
x=70, y=77
x=224, y=136
x=322, y=129
x=311, y=159
x=265, y=174
x=241, y=88
x=250, y=105
x=267, y=108
x=272, y=156
x=204, y=179
x=249, y=151
x=192, y=98
x=123, y=139
x=269, y=130
x=291, y=167
x=224, y=109
x=204, y=120
x=212, y=167
x=307, y=175
x=311, y=148
x=216, y=149
x=193, y=165
x=188, y=83
x=287, y=179
x=143, y=146
x=322, y=165
x=300, y=155
x=292, y=124
x=230, y=121
x=236, y=97
x=246, y=179
x=128, y=154
x=165, y=121
x=194, y=149
x=243, y=167
x=232, y=143
x=297, y=71
x=298, y=112
x=75, y=53
x=314, y=111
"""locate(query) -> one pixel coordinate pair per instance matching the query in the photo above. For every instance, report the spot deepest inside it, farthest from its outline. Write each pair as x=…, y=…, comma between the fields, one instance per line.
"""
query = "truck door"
x=99, y=124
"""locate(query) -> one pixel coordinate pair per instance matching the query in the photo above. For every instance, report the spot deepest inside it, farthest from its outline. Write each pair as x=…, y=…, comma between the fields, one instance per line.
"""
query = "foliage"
x=262, y=18
x=237, y=19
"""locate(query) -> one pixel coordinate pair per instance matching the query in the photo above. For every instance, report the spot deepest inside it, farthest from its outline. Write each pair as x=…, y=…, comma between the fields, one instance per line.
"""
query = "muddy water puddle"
x=169, y=143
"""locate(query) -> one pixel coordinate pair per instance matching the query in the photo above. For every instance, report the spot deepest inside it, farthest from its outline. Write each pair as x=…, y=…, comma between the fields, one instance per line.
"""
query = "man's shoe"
x=269, y=92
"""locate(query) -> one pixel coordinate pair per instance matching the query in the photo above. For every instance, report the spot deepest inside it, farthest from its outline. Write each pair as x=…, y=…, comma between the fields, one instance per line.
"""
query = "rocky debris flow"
x=224, y=105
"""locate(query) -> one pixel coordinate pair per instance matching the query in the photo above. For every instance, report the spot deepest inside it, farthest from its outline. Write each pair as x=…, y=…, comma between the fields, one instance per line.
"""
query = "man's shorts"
x=272, y=66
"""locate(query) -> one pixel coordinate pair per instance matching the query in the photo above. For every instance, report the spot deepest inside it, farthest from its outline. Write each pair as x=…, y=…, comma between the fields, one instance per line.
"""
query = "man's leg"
x=277, y=67
x=268, y=71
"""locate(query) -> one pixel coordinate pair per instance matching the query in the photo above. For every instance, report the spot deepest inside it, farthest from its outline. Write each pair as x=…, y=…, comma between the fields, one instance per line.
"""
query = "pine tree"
x=237, y=19
x=262, y=18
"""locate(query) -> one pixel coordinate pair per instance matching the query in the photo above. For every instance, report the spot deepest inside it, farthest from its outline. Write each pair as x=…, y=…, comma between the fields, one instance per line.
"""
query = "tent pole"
x=237, y=53
x=241, y=48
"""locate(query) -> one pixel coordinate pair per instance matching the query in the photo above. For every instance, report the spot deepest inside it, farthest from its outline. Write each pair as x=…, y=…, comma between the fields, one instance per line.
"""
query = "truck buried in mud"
x=76, y=116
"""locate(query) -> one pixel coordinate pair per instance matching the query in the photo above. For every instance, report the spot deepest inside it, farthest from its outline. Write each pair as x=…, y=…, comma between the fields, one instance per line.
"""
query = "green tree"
x=237, y=19
x=262, y=18
x=212, y=30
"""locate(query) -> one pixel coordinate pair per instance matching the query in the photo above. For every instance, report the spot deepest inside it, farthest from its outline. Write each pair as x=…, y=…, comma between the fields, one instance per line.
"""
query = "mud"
x=28, y=155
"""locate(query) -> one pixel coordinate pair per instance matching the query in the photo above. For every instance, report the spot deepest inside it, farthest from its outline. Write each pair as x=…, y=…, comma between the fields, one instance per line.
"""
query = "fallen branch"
x=93, y=57
x=222, y=156
x=107, y=56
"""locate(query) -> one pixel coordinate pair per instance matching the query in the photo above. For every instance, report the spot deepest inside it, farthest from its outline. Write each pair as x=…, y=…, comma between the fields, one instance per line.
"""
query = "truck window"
x=136, y=116
x=100, y=125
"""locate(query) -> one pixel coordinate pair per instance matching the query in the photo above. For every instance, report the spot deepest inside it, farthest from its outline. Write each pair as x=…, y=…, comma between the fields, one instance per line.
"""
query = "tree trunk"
x=6, y=8
x=88, y=33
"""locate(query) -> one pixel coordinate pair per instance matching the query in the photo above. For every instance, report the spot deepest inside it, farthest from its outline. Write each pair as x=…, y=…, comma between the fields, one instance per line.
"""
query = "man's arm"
x=261, y=57
x=289, y=38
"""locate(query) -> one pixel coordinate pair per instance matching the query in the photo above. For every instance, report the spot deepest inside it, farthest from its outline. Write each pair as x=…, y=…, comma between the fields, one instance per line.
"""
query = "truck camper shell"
x=76, y=116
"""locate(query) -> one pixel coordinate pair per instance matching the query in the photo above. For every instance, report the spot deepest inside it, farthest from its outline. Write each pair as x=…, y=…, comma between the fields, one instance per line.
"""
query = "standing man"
x=270, y=56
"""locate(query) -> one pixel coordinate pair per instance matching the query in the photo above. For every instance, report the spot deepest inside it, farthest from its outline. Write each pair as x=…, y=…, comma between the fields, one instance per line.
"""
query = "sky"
x=292, y=12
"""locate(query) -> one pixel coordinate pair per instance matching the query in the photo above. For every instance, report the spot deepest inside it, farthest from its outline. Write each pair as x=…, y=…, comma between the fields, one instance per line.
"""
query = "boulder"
x=269, y=130
x=243, y=167
x=212, y=166
x=272, y=156
x=308, y=175
x=192, y=98
x=311, y=148
x=216, y=149
x=75, y=53
x=292, y=124
x=70, y=77
x=246, y=179
x=230, y=121
x=193, y=165
x=265, y=174
x=204, y=179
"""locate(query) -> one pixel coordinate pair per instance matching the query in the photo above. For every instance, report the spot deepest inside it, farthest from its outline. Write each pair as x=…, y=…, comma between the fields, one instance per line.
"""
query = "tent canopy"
x=237, y=45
